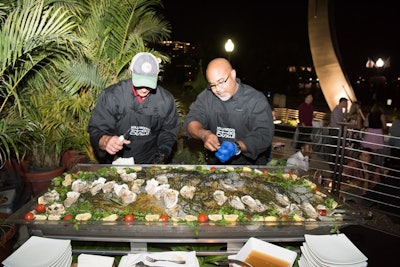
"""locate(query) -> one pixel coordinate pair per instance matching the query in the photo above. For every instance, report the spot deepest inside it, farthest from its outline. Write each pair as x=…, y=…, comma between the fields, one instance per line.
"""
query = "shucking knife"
x=125, y=136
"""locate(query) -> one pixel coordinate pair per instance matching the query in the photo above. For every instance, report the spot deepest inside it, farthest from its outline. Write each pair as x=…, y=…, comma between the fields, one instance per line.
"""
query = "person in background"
x=356, y=117
x=362, y=173
x=306, y=115
x=356, y=121
x=339, y=113
x=301, y=158
x=135, y=117
x=233, y=119
x=376, y=127
x=394, y=142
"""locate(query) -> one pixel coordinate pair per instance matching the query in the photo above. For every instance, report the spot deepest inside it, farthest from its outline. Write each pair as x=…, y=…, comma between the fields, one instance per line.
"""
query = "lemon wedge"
x=152, y=217
x=231, y=217
x=190, y=218
x=215, y=217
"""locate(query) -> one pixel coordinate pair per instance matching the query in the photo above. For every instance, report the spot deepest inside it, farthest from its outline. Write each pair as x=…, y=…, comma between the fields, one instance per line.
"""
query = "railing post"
x=339, y=161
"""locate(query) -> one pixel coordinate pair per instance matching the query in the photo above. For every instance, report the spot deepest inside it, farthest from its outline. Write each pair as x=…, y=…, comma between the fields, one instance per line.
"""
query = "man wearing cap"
x=233, y=119
x=135, y=117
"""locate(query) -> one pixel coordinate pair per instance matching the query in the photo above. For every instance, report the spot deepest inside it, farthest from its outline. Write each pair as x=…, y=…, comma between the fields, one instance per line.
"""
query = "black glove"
x=162, y=155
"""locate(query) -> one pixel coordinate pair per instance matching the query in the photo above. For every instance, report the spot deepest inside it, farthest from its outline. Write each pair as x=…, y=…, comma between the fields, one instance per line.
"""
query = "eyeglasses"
x=219, y=83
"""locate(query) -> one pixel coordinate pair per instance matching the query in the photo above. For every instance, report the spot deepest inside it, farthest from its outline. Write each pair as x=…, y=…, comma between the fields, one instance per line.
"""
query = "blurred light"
x=229, y=46
x=379, y=63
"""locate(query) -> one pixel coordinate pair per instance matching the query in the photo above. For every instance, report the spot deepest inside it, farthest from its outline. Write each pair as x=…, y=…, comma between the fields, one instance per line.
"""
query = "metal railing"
x=335, y=164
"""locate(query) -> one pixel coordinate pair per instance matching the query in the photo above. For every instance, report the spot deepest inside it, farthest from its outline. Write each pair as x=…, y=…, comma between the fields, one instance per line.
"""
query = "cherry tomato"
x=29, y=216
x=202, y=217
x=68, y=217
x=284, y=218
x=129, y=218
x=265, y=171
x=315, y=191
x=40, y=208
x=213, y=169
x=322, y=212
x=164, y=218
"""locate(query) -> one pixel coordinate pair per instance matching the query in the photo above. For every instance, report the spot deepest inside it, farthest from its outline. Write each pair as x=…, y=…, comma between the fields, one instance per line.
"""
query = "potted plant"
x=47, y=134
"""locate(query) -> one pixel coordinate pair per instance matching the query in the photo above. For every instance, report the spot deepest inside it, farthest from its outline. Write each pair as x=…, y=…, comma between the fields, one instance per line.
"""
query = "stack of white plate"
x=330, y=251
x=39, y=252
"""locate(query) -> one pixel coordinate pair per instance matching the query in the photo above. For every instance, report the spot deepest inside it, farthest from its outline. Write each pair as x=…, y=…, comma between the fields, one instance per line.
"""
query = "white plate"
x=302, y=262
x=309, y=259
x=32, y=252
x=334, y=249
x=64, y=259
x=321, y=263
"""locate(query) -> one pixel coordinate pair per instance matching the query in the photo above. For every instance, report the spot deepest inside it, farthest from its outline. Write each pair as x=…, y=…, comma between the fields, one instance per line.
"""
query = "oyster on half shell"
x=236, y=203
x=188, y=191
x=220, y=197
x=72, y=198
x=171, y=198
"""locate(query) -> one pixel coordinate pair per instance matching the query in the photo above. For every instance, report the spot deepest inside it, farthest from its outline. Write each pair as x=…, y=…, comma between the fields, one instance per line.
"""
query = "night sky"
x=275, y=33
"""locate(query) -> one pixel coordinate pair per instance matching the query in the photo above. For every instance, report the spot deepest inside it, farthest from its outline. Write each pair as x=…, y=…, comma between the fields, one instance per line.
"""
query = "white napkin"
x=87, y=260
x=130, y=260
x=124, y=161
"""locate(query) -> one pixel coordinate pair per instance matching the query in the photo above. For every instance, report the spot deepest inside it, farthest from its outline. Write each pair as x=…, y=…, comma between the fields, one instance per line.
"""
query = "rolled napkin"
x=190, y=258
x=124, y=161
x=87, y=260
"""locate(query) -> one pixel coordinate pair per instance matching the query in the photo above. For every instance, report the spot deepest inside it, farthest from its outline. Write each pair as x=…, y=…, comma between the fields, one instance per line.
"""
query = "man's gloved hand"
x=162, y=155
x=226, y=151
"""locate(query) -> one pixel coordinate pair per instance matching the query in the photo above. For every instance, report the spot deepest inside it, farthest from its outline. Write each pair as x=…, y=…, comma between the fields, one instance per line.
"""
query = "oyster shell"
x=309, y=210
x=160, y=191
x=188, y=191
x=72, y=198
x=162, y=178
x=151, y=186
x=80, y=186
x=220, y=197
x=139, y=182
x=249, y=202
x=51, y=196
x=120, y=189
x=171, y=198
x=108, y=187
x=55, y=209
x=129, y=177
x=282, y=199
x=136, y=189
x=128, y=197
x=281, y=210
x=97, y=185
x=260, y=207
x=236, y=203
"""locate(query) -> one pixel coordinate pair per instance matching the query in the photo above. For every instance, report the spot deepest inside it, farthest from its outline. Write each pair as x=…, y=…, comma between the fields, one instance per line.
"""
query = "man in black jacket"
x=233, y=119
x=135, y=117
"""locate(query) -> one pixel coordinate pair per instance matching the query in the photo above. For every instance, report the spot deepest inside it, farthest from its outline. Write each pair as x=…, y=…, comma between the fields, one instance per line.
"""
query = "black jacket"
x=247, y=116
x=152, y=124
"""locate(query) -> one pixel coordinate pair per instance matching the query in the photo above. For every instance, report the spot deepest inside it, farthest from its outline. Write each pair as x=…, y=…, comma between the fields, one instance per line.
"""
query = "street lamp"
x=229, y=46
